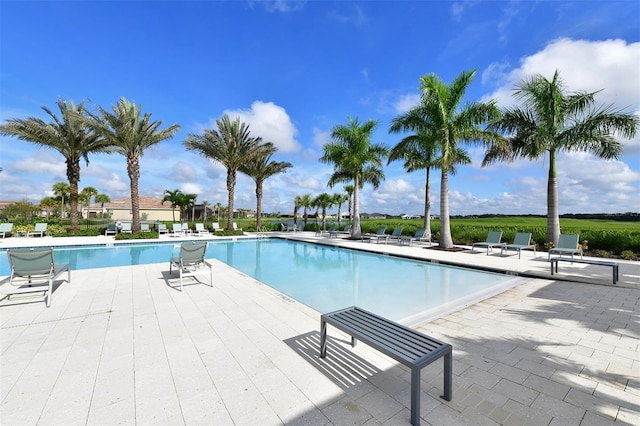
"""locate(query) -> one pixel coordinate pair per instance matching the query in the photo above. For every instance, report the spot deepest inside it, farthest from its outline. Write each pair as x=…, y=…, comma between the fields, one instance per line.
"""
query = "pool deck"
x=123, y=345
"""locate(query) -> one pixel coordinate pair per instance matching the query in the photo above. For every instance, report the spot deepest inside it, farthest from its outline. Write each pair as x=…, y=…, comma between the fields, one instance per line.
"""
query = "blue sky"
x=292, y=70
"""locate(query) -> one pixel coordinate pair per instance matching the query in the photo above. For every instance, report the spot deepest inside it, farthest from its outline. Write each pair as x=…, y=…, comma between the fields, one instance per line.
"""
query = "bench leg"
x=323, y=339
x=415, y=396
x=448, y=376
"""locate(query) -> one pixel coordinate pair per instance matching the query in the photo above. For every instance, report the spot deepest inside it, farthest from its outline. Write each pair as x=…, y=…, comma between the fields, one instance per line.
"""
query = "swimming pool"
x=323, y=277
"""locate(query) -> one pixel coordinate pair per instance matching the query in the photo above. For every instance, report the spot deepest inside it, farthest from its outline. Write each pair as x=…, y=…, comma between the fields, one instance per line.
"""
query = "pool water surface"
x=323, y=277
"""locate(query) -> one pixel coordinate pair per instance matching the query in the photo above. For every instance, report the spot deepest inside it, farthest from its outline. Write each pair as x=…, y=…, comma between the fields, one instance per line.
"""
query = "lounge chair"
x=419, y=237
x=162, y=228
x=395, y=235
x=144, y=227
x=493, y=240
x=111, y=229
x=380, y=232
x=216, y=227
x=522, y=241
x=322, y=233
x=126, y=228
x=191, y=262
x=39, y=230
x=291, y=226
x=201, y=230
x=176, y=229
x=235, y=227
x=345, y=231
x=567, y=244
x=5, y=229
x=33, y=271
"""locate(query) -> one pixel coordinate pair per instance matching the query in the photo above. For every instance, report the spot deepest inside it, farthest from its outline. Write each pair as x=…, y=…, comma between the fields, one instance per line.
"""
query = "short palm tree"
x=61, y=190
x=551, y=121
x=296, y=206
x=349, y=190
x=443, y=120
x=49, y=204
x=323, y=202
x=305, y=203
x=173, y=197
x=68, y=135
x=259, y=169
x=232, y=146
x=102, y=199
x=355, y=159
x=130, y=133
x=88, y=192
x=338, y=200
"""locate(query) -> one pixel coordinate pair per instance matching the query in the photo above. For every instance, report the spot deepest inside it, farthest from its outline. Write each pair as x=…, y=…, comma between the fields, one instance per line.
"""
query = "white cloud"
x=406, y=102
x=270, y=122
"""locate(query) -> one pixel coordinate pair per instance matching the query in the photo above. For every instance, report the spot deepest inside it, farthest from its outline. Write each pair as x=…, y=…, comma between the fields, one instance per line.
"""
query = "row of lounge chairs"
x=567, y=244
x=39, y=230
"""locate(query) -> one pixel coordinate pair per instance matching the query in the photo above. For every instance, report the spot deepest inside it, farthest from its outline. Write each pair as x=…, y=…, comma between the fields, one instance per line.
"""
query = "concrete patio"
x=122, y=346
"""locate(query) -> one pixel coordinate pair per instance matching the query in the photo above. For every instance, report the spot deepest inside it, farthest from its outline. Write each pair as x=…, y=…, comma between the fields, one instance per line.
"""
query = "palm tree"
x=296, y=206
x=232, y=146
x=129, y=133
x=349, y=191
x=355, y=158
x=102, y=199
x=305, y=203
x=323, y=201
x=48, y=204
x=218, y=207
x=259, y=169
x=174, y=198
x=338, y=200
x=68, y=135
x=61, y=190
x=441, y=119
x=87, y=193
x=551, y=121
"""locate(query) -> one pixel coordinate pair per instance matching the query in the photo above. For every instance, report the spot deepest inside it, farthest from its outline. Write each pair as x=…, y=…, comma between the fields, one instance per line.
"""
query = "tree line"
x=548, y=121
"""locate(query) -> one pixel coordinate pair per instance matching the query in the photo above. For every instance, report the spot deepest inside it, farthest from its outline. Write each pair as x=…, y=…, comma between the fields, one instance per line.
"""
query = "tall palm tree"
x=174, y=198
x=445, y=121
x=339, y=200
x=355, y=159
x=259, y=169
x=102, y=199
x=68, y=135
x=62, y=190
x=88, y=192
x=551, y=121
x=232, y=146
x=129, y=133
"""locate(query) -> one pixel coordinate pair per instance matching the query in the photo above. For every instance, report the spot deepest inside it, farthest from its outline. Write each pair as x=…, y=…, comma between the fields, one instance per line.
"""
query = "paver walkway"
x=120, y=345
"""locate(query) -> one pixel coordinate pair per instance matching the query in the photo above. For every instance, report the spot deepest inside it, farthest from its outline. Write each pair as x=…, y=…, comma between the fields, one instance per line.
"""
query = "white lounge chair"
x=5, y=229
x=126, y=228
x=201, y=230
x=493, y=240
x=215, y=226
x=235, y=227
x=162, y=228
x=144, y=227
x=567, y=244
x=39, y=230
x=33, y=271
x=176, y=230
x=191, y=262
x=522, y=241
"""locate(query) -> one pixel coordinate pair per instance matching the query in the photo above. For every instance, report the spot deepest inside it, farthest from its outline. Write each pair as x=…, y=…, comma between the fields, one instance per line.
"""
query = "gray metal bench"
x=403, y=344
x=614, y=265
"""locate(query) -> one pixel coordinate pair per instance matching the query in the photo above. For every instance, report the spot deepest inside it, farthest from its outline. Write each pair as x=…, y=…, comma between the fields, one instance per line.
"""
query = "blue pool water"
x=322, y=277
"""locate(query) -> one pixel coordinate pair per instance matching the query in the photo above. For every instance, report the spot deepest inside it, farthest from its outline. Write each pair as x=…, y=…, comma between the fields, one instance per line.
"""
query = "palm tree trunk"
x=259, y=206
x=231, y=184
x=445, y=228
x=553, y=217
x=356, y=230
x=427, y=204
x=133, y=168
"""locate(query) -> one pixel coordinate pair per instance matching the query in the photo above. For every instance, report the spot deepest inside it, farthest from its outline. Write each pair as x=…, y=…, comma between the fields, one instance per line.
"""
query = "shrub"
x=628, y=255
x=141, y=236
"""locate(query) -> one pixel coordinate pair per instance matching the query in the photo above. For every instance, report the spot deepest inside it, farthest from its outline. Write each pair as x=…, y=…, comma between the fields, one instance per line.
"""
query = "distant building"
x=151, y=209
